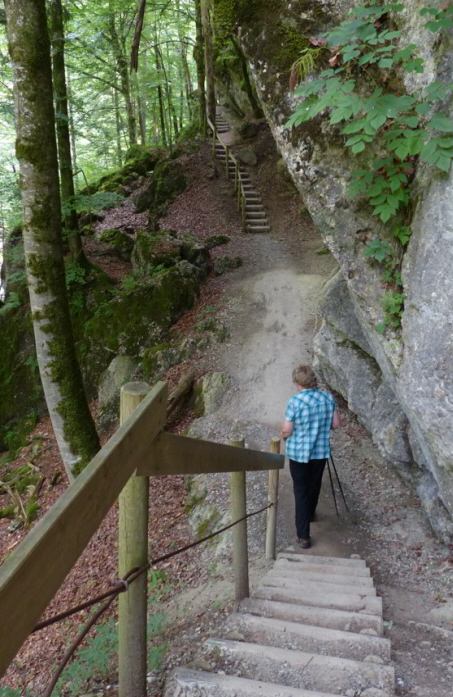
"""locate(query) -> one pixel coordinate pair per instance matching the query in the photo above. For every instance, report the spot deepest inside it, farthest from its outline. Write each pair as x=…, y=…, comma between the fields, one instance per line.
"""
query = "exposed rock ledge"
x=401, y=386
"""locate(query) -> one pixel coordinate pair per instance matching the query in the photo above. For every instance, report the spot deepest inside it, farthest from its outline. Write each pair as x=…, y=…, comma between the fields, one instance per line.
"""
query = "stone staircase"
x=256, y=219
x=313, y=628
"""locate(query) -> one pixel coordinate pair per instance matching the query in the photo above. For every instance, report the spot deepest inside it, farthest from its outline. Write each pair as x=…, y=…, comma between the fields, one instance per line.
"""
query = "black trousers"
x=307, y=479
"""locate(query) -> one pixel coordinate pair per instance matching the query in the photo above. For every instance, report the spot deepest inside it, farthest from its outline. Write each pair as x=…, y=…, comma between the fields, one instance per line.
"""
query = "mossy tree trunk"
x=198, y=54
x=36, y=151
x=160, y=96
x=123, y=70
x=209, y=58
x=184, y=62
x=63, y=136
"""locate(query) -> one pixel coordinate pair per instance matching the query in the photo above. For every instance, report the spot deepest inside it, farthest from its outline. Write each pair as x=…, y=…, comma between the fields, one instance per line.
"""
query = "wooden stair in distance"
x=313, y=628
x=256, y=219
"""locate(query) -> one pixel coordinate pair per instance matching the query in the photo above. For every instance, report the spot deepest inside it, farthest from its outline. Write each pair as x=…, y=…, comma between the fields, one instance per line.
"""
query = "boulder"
x=224, y=264
x=121, y=242
x=209, y=393
x=247, y=156
x=120, y=371
x=249, y=129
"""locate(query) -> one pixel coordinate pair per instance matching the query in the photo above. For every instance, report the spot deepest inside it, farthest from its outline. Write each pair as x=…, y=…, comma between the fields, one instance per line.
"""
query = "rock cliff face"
x=400, y=384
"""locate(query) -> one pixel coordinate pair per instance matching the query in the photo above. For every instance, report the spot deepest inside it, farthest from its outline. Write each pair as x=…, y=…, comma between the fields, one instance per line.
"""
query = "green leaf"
x=378, y=121
x=442, y=123
x=385, y=62
x=353, y=127
x=444, y=163
x=354, y=140
x=422, y=108
x=381, y=327
x=358, y=147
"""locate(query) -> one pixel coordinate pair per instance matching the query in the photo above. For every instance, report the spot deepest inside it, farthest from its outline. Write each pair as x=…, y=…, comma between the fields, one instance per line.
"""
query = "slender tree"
x=118, y=47
x=63, y=136
x=36, y=151
x=200, y=61
x=209, y=57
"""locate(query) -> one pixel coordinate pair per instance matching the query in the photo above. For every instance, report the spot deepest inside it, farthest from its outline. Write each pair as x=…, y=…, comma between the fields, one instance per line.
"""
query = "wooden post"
x=132, y=552
x=213, y=140
x=227, y=153
x=236, y=177
x=272, y=497
x=244, y=218
x=240, y=551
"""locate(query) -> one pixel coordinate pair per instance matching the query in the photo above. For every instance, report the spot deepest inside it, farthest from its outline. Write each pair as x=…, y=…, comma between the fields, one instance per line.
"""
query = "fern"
x=303, y=66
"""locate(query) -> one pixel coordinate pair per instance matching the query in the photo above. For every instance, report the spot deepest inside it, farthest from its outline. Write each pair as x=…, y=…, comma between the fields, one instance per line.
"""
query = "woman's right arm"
x=335, y=420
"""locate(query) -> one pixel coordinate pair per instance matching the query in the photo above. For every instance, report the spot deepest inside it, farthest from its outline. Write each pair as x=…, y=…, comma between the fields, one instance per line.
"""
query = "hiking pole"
x=333, y=488
x=339, y=483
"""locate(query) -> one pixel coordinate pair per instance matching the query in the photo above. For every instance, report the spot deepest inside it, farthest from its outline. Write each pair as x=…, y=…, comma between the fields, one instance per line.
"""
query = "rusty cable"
x=122, y=585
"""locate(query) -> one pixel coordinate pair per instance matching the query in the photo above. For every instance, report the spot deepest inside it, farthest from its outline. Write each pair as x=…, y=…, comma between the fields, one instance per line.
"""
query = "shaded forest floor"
x=386, y=525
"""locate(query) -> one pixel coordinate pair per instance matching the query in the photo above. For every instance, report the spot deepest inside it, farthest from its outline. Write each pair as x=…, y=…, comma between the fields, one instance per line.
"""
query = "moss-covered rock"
x=153, y=249
x=224, y=264
x=122, y=243
x=167, y=182
x=137, y=317
x=144, y=161
x=164, y=248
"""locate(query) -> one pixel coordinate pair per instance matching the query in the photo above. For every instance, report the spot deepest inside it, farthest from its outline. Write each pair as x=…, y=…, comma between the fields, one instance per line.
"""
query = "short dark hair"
x=304, y=376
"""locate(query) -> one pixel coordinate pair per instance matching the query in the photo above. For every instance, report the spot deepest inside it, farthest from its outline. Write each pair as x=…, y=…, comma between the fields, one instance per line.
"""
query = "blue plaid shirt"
x=311, y=412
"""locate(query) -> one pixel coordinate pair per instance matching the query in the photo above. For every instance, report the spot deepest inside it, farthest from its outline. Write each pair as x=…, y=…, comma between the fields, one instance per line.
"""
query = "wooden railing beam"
x=32, y=575
x=172, y=454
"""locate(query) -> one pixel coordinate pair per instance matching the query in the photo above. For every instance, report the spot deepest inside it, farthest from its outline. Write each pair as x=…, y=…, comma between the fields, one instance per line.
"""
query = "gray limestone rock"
x=399, y=377
x=209, y=393
x=247, y=156
x=120, y=371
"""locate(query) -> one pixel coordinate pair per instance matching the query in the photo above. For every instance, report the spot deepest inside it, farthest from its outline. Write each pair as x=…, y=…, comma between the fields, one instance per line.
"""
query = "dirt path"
x=271, y=306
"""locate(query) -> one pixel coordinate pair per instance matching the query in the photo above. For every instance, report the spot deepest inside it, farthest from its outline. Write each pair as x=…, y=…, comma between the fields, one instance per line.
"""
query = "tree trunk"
x=160, y=95
x=123, y=70
x=73, y=136
x=142, y=102
x=116, y=107
x=64, y=142
x=185, y=64
x=198, y=54
x=209, y=58
x=36, y=151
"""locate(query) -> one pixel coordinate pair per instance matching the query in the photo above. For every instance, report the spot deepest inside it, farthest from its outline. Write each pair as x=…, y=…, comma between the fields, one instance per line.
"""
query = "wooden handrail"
x=238, y=177
x=33, y=573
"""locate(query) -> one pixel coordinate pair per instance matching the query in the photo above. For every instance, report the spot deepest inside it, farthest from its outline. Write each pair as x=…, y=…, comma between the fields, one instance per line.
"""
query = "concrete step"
x=254, y=207
x=197, y=683
x=345, y=620
x=302, y=637
x=255, y=215
x=257, y=229
x=320, y=598
x=340, y=579
x=300, y=669
x=325, y=569
x=314, y=559
x=278, y=581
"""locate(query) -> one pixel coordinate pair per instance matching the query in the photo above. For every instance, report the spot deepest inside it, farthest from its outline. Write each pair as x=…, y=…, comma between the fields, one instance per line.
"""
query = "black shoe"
x=304, y=544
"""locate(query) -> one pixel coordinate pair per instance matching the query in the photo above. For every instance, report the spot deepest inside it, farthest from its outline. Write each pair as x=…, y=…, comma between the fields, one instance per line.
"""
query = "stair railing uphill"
x=238, y=181
x=31, y=576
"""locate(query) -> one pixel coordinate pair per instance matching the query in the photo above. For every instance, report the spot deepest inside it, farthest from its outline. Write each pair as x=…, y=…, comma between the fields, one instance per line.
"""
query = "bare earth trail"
x=270, y=306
